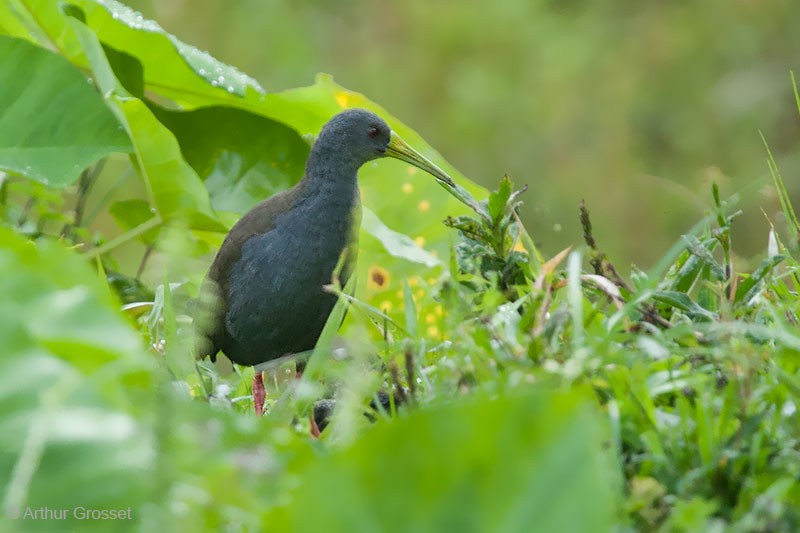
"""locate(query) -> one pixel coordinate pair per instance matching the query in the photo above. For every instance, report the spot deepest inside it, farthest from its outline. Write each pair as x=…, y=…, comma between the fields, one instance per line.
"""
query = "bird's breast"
x=298, y=255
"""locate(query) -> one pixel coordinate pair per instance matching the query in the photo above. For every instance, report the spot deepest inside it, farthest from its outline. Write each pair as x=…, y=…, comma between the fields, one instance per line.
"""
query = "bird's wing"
x=210, y=327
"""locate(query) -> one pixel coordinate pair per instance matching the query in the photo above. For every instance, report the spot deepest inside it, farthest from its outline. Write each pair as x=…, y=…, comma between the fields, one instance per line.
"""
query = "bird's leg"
x=259, y=392
x=314, y=429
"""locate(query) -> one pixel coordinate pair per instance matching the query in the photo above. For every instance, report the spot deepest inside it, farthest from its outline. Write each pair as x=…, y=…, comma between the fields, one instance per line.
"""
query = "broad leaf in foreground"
x=53, y=124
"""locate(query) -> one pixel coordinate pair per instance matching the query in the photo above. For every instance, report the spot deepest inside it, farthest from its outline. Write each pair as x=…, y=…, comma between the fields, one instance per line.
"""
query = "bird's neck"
x=330, y=208
x=331, y=178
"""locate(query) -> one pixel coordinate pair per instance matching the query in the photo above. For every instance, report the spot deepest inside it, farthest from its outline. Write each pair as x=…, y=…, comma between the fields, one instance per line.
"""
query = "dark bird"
x=269, y=273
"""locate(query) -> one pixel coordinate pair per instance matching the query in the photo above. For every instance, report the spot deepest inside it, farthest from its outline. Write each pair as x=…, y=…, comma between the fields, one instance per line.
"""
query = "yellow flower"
x=377, y=278
x=344, y=99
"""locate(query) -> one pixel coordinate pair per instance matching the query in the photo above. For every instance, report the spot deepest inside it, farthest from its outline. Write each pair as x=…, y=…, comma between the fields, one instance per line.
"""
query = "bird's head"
x=361, y=136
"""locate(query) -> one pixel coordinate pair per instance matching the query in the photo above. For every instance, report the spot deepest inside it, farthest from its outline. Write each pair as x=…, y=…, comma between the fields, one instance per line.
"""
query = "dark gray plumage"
x=269, y=272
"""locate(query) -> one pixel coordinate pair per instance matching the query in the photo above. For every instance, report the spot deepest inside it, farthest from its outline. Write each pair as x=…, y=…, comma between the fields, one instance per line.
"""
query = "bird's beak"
x=399, y=149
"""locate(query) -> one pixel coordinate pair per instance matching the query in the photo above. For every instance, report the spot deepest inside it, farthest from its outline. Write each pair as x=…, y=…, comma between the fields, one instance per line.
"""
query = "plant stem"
x=125, y=237
x=88, y=179
x=143, y=262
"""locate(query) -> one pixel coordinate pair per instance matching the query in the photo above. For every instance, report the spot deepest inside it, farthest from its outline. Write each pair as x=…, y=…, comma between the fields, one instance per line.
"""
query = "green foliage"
x=486, y=254
x=468, y=484
x=484, y=389
x=41, y=92
x=241, y=157
x=77, y=388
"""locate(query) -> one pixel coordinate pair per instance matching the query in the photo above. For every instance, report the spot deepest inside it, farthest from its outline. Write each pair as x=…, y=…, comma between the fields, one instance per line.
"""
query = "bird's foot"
x=259, y=393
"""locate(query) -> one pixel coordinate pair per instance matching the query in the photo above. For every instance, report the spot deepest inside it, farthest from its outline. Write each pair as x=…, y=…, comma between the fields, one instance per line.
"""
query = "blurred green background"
x=634, y=106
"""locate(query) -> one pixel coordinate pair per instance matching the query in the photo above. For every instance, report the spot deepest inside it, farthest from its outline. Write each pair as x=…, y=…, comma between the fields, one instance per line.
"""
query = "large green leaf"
x=53, y=124
x=520, y=463
x=176, y=190
x=242, y=157
x=173, y=66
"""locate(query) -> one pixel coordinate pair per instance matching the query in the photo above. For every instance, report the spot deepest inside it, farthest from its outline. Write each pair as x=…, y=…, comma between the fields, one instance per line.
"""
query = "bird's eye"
x=372, y=132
